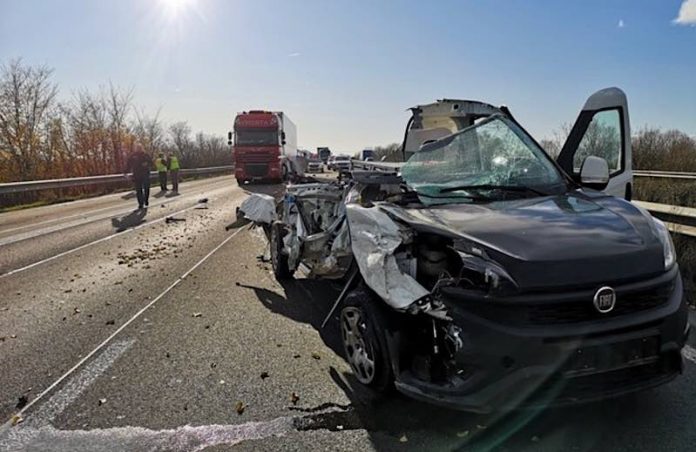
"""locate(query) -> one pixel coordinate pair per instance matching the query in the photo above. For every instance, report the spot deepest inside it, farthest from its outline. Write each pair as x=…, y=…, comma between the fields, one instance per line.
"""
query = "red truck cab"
x=264, y=146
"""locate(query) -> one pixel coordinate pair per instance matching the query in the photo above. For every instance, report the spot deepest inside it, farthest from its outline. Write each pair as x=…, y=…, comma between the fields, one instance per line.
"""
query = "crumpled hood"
x=577, y=239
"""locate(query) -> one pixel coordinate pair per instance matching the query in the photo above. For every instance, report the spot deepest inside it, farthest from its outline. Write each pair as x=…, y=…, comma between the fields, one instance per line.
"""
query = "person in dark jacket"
x=139, y=163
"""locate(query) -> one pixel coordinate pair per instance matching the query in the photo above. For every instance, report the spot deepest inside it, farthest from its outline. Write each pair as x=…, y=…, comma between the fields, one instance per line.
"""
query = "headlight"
x=667, y=245
x=494, y=278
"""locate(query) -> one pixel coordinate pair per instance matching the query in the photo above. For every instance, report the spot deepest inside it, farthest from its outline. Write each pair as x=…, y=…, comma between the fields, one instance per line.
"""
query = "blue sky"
x=346, y=71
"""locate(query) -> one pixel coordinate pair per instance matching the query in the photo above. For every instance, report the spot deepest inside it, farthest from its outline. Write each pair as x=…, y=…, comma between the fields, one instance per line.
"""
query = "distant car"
x=315, y=166
x=342, y=163
x=330, y=162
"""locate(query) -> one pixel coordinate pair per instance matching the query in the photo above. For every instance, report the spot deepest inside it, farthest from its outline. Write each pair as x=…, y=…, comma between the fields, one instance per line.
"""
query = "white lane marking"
x=53, y=408
x=59, y=227
x=185, y=438
x=689, y=353
x=128, y=322
x=103, y=239
x=193, y=185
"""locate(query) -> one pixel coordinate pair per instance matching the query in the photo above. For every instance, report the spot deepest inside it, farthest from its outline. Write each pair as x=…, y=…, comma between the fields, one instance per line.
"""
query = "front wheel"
x=364, y=344
x=279, y=260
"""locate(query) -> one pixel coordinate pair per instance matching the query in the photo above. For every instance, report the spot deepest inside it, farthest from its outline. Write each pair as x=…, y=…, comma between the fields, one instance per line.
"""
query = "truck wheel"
x=362, y=326
x=278, y=259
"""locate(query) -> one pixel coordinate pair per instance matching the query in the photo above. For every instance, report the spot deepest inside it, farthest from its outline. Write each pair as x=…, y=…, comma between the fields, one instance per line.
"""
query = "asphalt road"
x=121, y=331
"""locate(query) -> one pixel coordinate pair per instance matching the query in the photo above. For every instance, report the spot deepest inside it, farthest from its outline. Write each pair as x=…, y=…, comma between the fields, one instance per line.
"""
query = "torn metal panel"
x=259, y=208
x=374, y=238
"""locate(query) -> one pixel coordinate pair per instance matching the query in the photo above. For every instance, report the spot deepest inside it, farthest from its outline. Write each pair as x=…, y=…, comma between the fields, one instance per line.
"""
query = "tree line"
x=44, y=136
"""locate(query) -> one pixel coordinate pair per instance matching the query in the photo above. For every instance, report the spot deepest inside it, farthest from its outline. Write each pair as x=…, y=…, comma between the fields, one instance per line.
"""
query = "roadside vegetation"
x=46, y=136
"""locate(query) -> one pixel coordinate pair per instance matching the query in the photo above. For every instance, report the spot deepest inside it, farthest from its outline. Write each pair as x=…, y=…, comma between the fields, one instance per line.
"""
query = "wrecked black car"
x=483, y=275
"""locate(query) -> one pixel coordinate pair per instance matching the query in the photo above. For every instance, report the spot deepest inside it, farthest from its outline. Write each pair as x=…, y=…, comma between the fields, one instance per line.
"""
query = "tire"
x=365, y=347
x=279, y=260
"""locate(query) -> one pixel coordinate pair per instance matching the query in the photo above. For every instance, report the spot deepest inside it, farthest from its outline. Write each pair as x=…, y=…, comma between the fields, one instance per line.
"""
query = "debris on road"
x=294, y=398
x=203, y=200
x=239, y=407
x=21, y=402
x=17, y=419
x=463, y=434
x=196, y=314
x=264, y=375
x=101, y=402
x=76, y=311
x=173, y=219
x=316, y=355
x=403, y=439
x=110, y=322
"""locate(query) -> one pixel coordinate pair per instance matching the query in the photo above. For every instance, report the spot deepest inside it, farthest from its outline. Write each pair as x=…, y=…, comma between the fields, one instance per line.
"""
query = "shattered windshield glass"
x=493, y=153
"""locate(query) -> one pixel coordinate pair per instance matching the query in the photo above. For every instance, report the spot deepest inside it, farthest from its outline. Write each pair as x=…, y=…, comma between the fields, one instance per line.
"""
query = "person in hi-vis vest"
x=161, y=166
x=173, y=163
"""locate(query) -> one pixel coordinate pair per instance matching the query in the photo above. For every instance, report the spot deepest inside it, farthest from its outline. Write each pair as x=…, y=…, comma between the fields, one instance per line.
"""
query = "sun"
x=174, y=8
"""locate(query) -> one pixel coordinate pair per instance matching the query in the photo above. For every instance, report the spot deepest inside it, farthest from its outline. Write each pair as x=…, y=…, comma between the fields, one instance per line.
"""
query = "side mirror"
x=594, y=173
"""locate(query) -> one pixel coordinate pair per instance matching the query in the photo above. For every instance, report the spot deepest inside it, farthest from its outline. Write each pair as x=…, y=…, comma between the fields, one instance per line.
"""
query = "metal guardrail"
x=665, y=174
x=36, y=185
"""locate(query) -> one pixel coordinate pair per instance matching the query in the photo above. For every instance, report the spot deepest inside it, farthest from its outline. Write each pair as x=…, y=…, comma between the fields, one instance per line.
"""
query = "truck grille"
x=256, y=169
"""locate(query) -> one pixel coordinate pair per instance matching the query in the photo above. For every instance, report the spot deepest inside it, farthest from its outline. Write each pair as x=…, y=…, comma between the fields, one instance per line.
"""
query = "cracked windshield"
x=491, y=156
x=308, y=225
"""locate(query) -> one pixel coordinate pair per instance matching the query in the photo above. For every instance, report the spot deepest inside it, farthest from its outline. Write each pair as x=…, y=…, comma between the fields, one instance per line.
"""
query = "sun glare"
x=174, y=8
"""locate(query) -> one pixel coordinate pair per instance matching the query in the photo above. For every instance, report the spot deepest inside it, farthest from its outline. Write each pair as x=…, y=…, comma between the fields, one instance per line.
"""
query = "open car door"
x=602, y=130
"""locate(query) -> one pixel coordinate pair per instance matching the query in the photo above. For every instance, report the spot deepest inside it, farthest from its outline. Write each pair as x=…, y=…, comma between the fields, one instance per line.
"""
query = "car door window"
x=602, y=139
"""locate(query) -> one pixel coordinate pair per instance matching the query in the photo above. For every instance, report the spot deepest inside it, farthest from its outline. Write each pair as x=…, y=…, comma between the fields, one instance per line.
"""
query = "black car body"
x=483, y=275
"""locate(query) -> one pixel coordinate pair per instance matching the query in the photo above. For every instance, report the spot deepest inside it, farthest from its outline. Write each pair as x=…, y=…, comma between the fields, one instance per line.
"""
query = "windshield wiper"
x=512, y=188
x=470, y=197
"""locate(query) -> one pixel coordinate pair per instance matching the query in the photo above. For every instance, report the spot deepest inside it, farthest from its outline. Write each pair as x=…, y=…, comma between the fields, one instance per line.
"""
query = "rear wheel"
x=362, y=325
x=278, y=259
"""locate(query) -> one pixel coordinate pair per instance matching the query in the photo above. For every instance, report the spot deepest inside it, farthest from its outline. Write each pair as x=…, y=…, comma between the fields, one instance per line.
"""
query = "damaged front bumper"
x=509, y=363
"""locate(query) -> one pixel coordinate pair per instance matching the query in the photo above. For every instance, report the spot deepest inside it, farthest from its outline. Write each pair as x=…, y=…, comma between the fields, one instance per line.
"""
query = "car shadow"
x=131, y=220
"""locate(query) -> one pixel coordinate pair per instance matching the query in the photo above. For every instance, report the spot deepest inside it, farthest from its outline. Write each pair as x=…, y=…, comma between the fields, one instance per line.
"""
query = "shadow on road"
x=129, y=221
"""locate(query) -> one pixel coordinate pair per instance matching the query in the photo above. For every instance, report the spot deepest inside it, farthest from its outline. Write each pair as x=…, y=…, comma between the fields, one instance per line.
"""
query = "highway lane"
x=172, y=378
x=27, y=237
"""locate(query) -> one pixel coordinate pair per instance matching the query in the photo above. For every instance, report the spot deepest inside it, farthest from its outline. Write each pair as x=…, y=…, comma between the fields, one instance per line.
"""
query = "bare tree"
x=149, y=131
x=26, y=97
x=118, y=105
x=180, y=135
